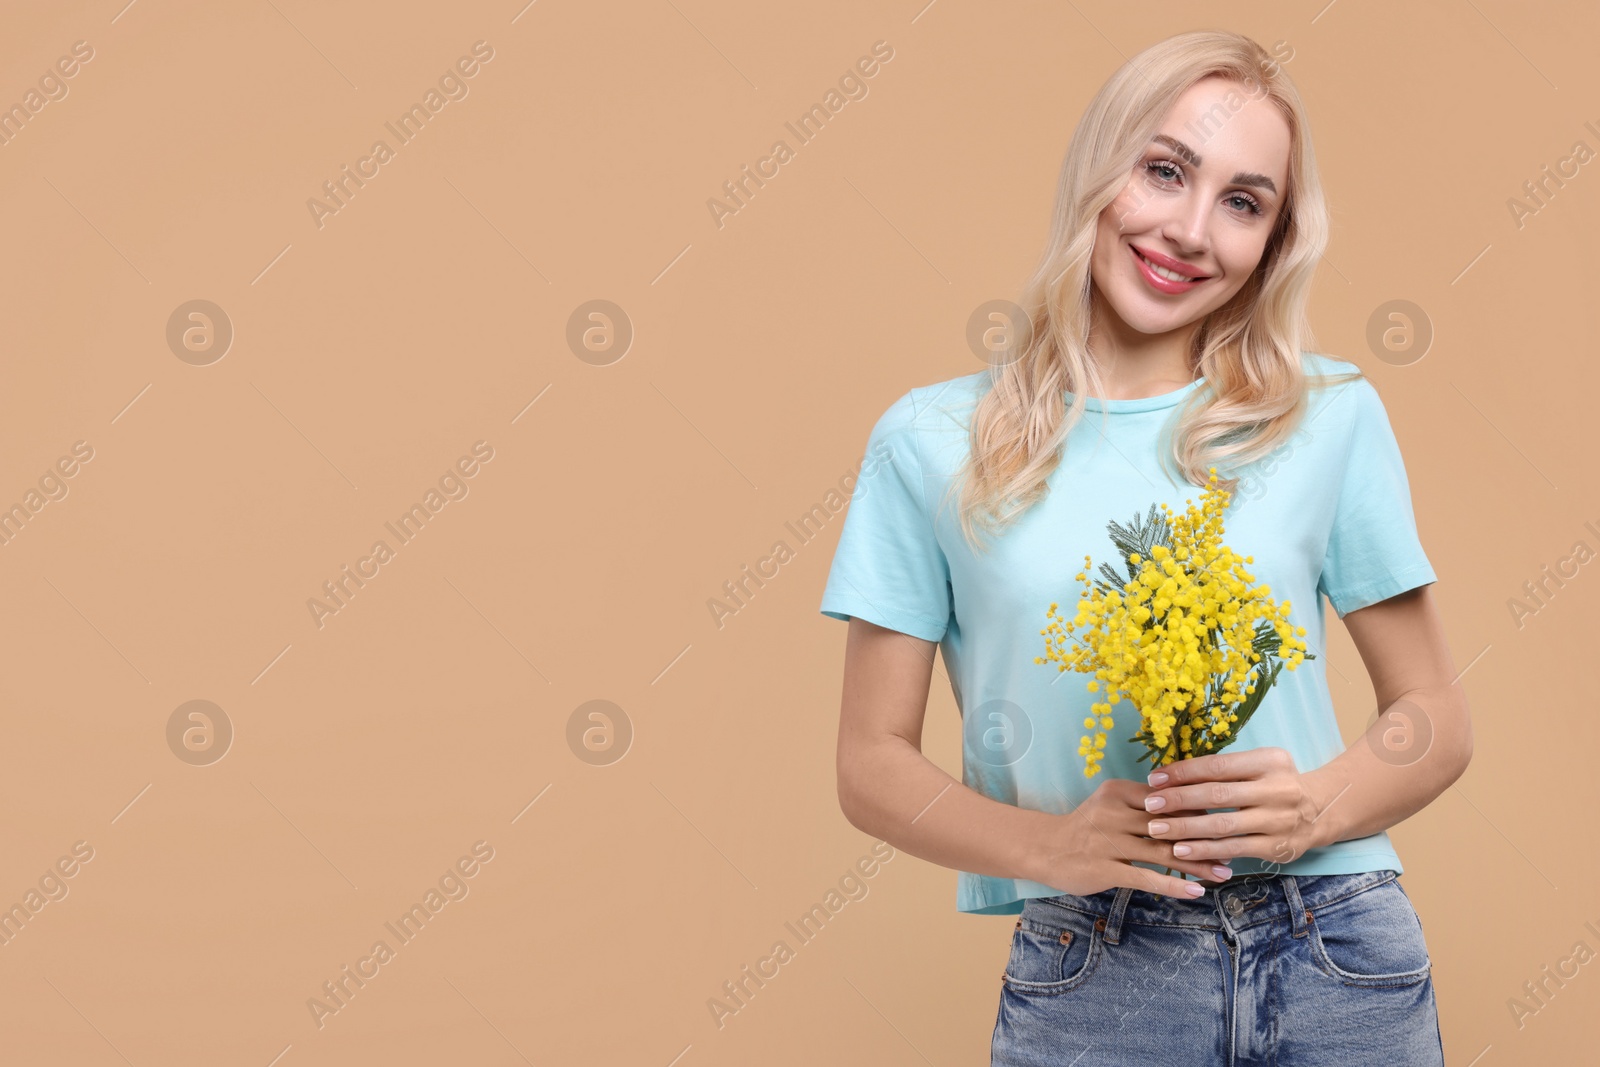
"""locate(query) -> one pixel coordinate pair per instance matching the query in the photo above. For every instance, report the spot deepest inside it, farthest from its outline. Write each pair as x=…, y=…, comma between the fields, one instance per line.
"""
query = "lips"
x=1176, y=266
x=1152, y=268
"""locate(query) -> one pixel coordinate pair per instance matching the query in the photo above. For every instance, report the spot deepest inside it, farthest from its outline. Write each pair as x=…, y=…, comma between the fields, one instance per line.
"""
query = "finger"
x=1136, y=794
x=1148, y=851
x=1207, y=825
x=1225, y=849
x=1209, y=795
x=1181, y=813
x=1176, y=823
x=1164, y=884
x=1139, y=824
x=1210, y=872
x=1134, y=845
x=1222, y=766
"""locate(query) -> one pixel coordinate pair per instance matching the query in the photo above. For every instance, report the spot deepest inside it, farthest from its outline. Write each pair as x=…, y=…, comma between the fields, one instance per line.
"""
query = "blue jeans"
x=1285, y=970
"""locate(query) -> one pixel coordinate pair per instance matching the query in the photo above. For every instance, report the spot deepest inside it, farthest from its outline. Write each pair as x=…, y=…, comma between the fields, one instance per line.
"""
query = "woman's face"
x=1201, y=203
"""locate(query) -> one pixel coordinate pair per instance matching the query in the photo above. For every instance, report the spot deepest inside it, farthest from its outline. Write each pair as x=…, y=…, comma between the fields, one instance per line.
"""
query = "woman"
x=1165, y=335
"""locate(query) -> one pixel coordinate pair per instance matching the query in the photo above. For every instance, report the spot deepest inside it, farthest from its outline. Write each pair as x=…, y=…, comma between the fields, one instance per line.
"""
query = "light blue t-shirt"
x=1327, y=515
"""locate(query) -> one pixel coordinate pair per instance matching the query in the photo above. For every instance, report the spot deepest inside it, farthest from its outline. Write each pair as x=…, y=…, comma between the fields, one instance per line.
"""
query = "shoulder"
x=933, y=409
x=1331, y=372
x=1339, y=394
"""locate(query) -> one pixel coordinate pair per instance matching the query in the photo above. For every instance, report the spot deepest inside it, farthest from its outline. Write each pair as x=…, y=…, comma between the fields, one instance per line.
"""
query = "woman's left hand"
x=1275, y=817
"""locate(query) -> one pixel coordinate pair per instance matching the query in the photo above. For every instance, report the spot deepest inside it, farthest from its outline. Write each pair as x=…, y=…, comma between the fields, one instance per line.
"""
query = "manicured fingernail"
x=1195, y=889
x=1155, y=803
x=1221, y=872
x=1157, y=778
x=1158, y=828
x=1181, y=850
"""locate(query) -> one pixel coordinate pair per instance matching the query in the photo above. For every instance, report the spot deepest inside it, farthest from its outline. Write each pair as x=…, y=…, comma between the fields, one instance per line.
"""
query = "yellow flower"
x=1176, y=639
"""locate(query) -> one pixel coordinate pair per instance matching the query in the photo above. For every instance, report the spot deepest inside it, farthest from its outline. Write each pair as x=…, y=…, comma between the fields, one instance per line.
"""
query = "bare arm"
x=1421, y=743
x=890, y=790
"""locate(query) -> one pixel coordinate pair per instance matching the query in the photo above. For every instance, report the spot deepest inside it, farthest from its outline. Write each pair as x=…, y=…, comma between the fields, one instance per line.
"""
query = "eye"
x=1250, y=202
x=1161, y=168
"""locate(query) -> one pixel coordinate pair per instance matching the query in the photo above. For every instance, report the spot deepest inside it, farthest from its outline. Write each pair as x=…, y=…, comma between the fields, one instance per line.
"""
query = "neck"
x=1133, y=365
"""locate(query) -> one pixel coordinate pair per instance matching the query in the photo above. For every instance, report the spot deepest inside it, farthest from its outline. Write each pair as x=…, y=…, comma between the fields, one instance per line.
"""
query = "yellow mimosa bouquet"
x=1187, y=637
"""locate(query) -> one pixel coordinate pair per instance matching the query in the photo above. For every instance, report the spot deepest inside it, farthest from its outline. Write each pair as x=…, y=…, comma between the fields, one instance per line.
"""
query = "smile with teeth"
x=1163, y=272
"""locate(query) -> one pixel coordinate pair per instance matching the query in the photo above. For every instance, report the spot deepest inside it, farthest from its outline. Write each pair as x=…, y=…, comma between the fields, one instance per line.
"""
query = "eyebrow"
x=1189, y=156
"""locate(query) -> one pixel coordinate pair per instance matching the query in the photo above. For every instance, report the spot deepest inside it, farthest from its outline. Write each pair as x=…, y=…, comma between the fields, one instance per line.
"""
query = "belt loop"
x=1119, y=904
x=1298, y=915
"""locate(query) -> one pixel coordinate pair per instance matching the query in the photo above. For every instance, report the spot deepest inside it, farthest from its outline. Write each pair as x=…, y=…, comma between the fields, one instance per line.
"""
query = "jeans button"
x=1234, y=905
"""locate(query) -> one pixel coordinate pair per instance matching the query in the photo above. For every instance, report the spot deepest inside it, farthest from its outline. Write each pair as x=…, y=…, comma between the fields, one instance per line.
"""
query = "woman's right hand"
x=1092, y=848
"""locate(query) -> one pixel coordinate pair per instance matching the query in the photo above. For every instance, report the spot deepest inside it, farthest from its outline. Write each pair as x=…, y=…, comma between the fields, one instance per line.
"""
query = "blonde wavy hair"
x=1249, y=349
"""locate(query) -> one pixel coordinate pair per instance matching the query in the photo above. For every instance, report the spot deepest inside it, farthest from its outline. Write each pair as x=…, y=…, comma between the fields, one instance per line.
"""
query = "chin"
x=1141, y=318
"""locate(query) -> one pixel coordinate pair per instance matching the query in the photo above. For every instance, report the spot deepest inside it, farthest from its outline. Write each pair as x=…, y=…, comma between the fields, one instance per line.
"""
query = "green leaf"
x=1140, y=536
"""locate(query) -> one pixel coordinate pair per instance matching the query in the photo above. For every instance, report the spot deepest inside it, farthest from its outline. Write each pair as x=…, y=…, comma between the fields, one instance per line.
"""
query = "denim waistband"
x=1243, y=900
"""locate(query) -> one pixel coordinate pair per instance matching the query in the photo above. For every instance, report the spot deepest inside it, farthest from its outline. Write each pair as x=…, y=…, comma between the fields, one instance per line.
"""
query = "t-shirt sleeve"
x=1373, y=549
x=889, y=568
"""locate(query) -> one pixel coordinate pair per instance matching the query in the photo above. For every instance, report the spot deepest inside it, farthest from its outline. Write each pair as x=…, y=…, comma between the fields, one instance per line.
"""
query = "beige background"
x=430, y=312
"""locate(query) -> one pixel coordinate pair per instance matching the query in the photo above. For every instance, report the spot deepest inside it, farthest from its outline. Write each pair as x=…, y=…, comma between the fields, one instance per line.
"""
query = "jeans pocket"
x=1053, y=950
x=1373, y=938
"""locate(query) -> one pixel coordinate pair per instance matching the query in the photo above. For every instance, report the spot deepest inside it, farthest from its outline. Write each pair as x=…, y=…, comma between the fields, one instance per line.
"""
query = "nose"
x=1186, y=228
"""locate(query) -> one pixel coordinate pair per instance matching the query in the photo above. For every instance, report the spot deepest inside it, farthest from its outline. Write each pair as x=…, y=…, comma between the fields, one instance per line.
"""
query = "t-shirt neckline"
x=1143, y=403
